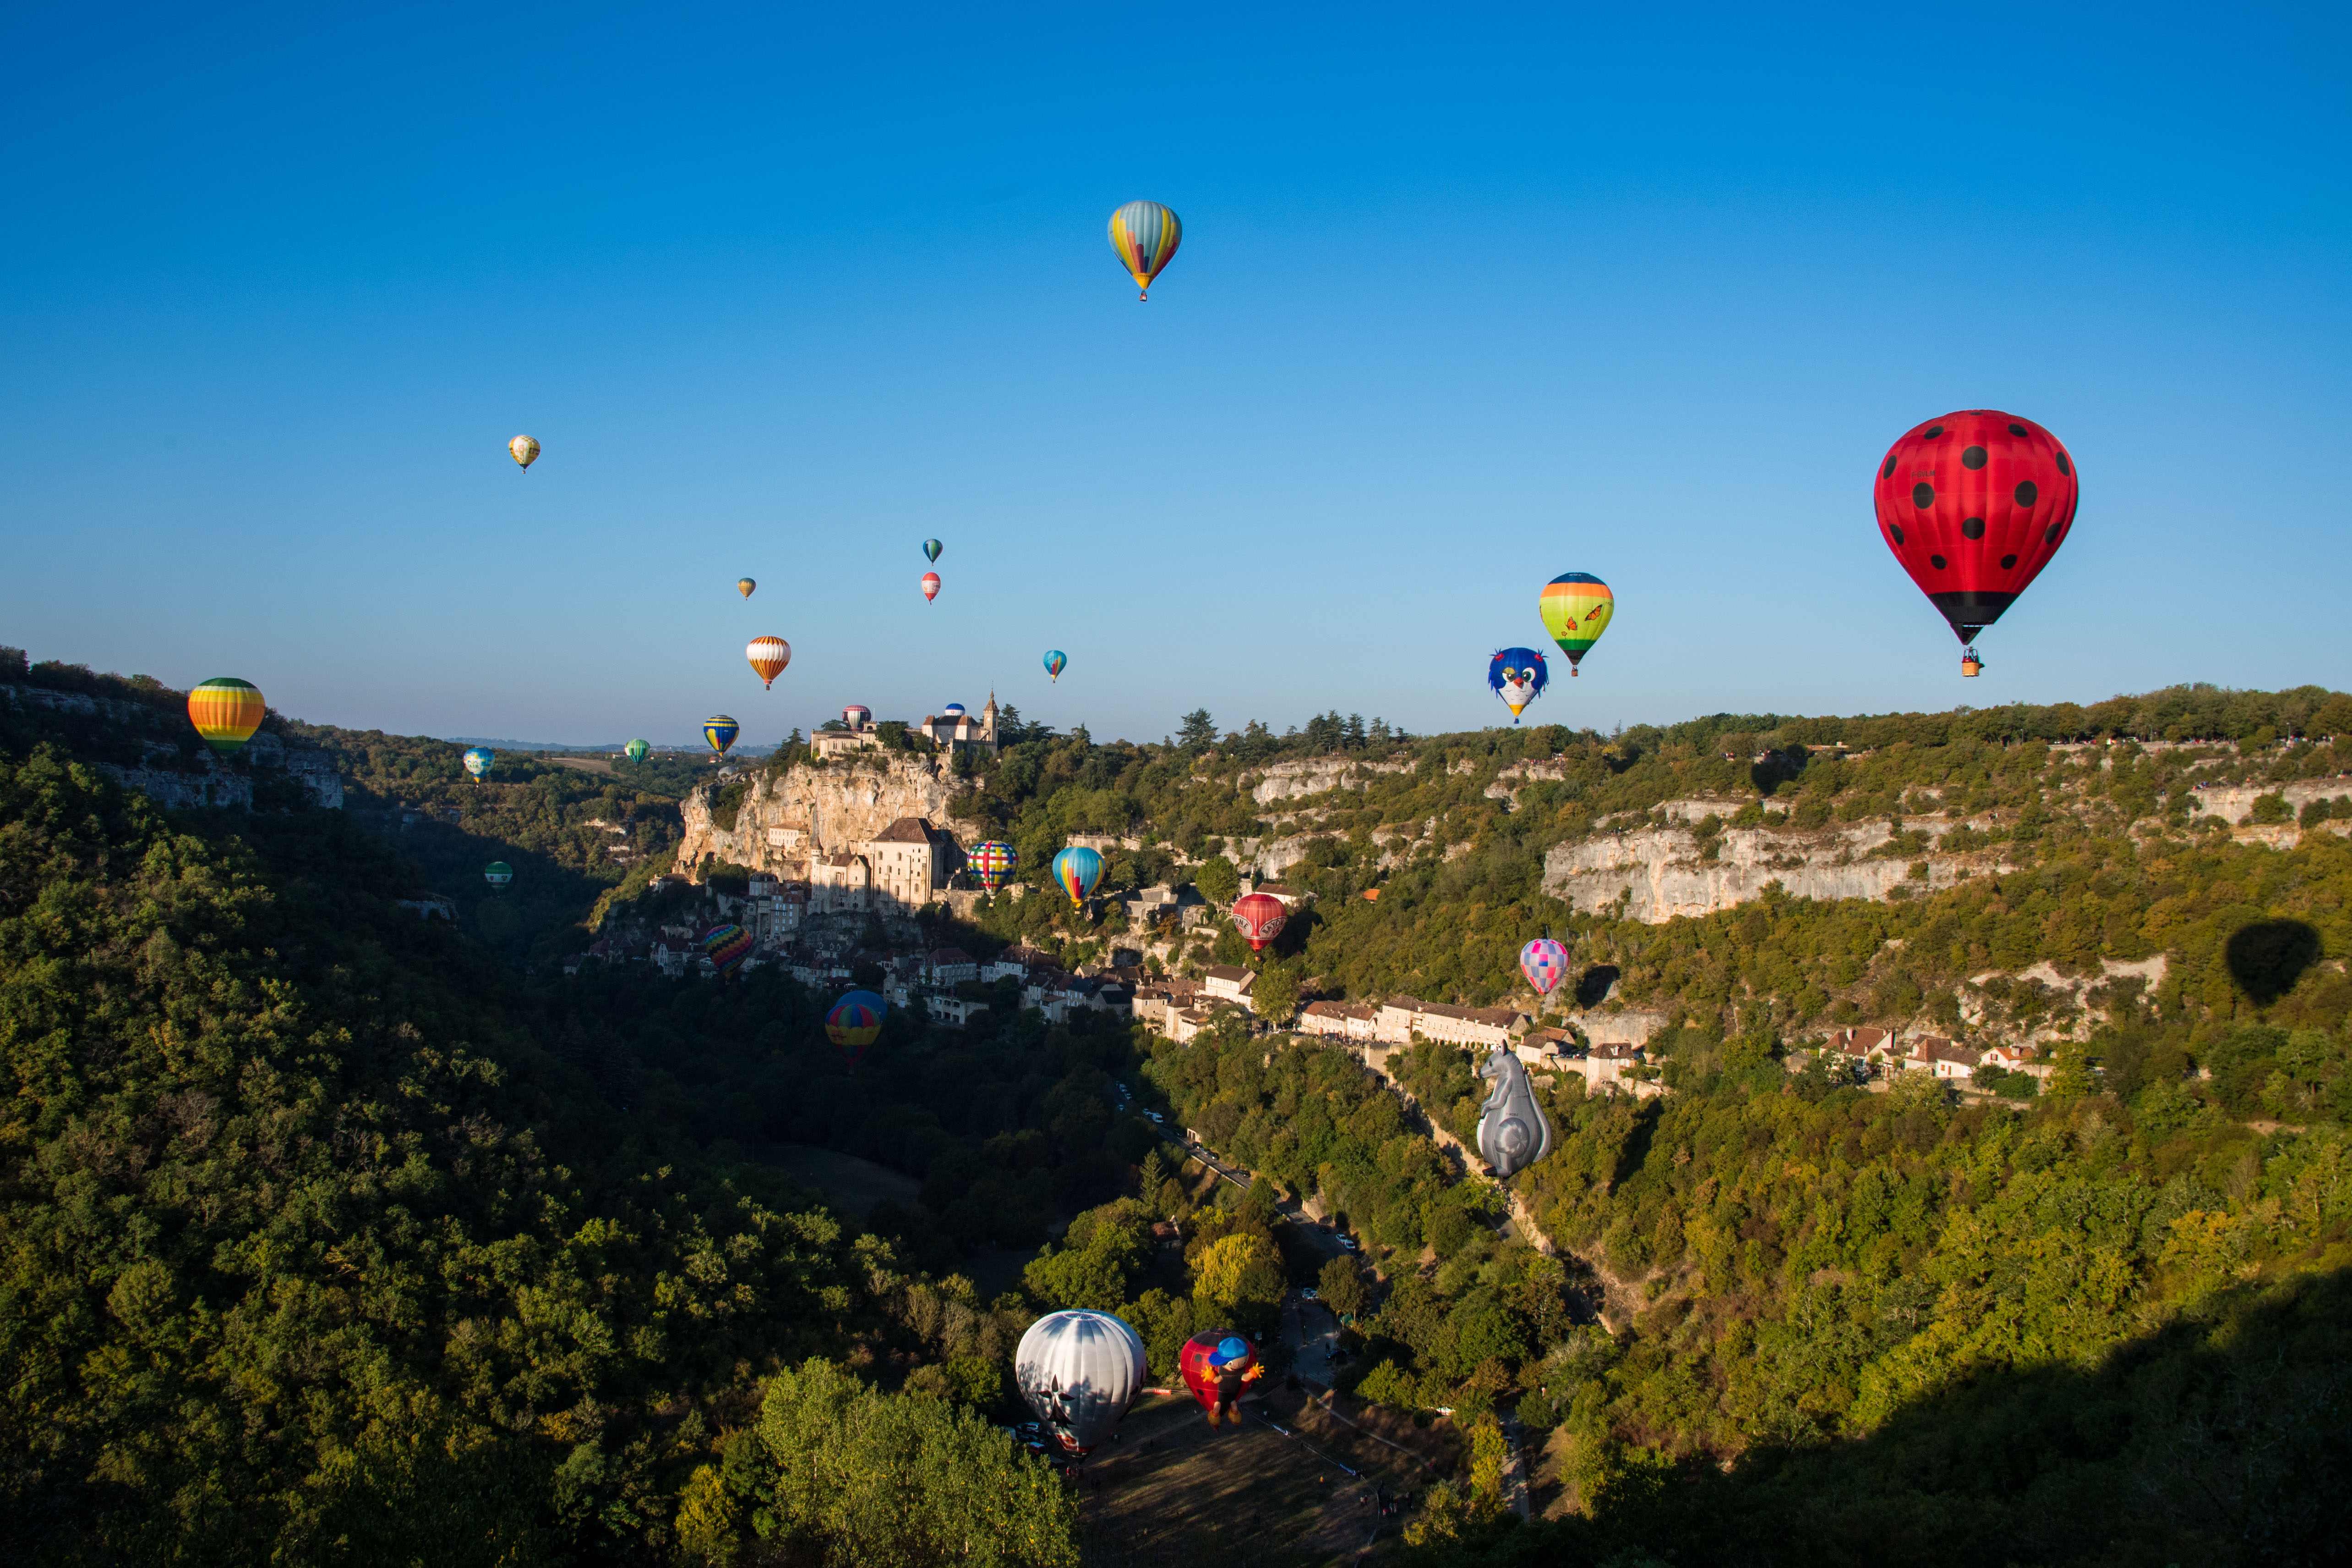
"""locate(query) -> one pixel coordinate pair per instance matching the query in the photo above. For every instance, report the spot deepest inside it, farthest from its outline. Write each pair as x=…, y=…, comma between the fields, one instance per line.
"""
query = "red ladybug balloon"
x=1974, y=505
x=1259, y=916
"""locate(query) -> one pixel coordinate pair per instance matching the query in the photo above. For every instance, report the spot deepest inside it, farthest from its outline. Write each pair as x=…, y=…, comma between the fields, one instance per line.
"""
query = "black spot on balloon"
x=1896, y=530
x=1888, y=471
x=1923, y=496
x=1936, y=561
x=1932, y=431
x=2027, y=492
x=2064, y=466
x=2007, y=561
x=1973, y=528
x=2050, y=534
x=1974, y=457
x=2017, y=429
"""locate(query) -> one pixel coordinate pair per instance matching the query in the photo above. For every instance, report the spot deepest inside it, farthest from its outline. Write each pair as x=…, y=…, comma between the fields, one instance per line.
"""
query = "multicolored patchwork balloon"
x=479, y=760
x=856, y=1022
x=992, y=863
x=768, y=656
x=1259, y=916
x=1545, y=963
x=720, y=731
x=1577, y=607
x=1077, y=869
x=1518, y=675
x=225, y=712
x=1146, y=236
x=727, y=946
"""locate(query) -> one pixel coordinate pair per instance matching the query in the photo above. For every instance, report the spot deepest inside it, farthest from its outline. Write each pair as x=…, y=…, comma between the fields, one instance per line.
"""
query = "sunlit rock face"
x=788, y=819
x=1661, y=873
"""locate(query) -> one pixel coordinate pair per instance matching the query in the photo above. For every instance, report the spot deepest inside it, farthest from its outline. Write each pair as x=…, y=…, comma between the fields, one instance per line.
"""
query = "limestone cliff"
x=811, y=808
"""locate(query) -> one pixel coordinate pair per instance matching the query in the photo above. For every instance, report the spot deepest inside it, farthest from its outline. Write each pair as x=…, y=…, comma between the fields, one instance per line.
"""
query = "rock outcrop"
x=1662, y=872
x=786, y=819
x=1316, y=775
x=177, y=779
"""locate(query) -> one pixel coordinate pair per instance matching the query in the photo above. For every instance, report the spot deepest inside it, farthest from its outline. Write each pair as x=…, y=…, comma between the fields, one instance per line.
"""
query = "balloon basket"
x=1970, y=665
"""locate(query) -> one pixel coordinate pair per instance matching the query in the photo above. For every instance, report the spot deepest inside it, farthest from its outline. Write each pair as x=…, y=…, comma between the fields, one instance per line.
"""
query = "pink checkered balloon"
x=1545, y=963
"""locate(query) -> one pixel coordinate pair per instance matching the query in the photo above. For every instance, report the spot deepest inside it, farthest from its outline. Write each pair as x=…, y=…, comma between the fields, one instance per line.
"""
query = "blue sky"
x=1468, y=296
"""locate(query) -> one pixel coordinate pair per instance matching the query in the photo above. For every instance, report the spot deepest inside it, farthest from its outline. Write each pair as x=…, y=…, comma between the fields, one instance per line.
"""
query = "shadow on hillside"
x=2268, y=957
x=2226, y=1440
x=1592, y=988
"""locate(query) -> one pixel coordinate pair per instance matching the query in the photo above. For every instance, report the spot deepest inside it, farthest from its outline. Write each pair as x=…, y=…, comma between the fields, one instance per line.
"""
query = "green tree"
x=1273, y=997
x=1340, y=1287
x=1218, y=881
x=1197, y=732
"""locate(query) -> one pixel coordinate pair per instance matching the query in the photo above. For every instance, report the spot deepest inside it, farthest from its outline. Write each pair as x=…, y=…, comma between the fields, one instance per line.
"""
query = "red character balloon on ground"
x=1217, y=1366
x=1974, y=505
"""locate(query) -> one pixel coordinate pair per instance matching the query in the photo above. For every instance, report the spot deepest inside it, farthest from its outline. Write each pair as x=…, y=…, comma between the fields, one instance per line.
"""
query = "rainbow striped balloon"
x=1545, y=963
x=1146, y=236
x=225, y=712
x=720, y=731
x=1577, y=607
x=1077, y=869
x=856, y=1022
x=992, y=863
x=1057, y=661
x=727, y=946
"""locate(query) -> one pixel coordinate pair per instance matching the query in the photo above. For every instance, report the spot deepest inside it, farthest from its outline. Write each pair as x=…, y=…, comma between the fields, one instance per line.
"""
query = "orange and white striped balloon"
x=768, y=656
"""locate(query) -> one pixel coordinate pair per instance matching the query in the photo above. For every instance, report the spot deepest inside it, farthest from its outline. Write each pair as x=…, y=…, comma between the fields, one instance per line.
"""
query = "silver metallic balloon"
x=1513, y=1133
x=1080, y=1370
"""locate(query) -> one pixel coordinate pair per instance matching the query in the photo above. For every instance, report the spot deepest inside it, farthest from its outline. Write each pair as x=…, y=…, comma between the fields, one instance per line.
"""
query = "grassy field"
x=1175, y=1490
x=851, y=1184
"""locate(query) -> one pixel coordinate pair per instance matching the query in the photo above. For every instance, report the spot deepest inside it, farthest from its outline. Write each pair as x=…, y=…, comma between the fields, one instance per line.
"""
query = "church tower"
x=988, y=719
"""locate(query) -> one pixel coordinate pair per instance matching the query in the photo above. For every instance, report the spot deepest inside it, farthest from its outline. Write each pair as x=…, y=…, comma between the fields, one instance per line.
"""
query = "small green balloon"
x=931, y=547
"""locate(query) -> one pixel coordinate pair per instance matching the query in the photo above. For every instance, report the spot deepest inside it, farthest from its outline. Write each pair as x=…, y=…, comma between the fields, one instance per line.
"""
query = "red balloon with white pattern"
x=1974, y=505
x=1259, y=917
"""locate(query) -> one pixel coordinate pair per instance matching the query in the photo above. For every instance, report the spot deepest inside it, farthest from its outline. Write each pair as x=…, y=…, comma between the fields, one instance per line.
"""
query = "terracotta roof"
x=1857, y=1042
x=907, y=830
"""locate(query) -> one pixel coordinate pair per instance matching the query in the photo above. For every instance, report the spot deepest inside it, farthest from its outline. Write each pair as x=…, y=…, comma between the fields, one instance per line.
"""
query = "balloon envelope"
x=1545, y=963
x=1055, y=662
x=498, y=873
x=225, y=712
x=1080, y=1370
x=768, y=656
x=726, y=946
x=720, y=731
x=931, y=548
x=479, y=760
x=1518, y=675
x=992, y=863
x=855, y=1022
x=1974, y=505
x=636, y=751
x=930, y=585
x=1259, y=916
x=1145, y=234
x=1077, y=869
x=1210, y=1359
x=524, y=450
x=744, y=586
x=1577, y=607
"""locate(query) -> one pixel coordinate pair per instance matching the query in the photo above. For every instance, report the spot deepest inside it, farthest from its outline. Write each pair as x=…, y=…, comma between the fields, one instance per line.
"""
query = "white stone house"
x=1227, y=982
x=949, y=966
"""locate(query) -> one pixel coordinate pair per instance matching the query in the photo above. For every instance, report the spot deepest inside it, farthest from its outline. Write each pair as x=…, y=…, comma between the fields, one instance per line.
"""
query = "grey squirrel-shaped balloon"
x=1512, y=1131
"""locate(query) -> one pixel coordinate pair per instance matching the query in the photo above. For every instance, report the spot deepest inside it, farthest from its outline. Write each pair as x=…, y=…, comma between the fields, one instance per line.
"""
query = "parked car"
x=1309, y=1294
x=1346, y=1242
x=1154, y=1116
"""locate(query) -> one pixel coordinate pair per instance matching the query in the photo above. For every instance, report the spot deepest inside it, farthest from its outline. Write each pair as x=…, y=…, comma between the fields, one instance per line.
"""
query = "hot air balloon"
x=1057, y=661
x=858, y=715
x=855, y=1022
x=930, y=585
x=1974, y=505
x=636, y=751
x=720, y=731
x=497, y=874
x=768, y=656
x=1216, y=1366
x=1513, y=1133
x=1145, y=234
x=1259, y=917
x=525, y=450
x=1545, y=963
x=1577, y=607
x=1077, y=869
x=931, y=548
x=1080, y=1370
x=225, y=712
x=1518, y=675
x=478, y=760
x=1371, y=895
x=727, y=946
x=744, y=586
x=992, y=863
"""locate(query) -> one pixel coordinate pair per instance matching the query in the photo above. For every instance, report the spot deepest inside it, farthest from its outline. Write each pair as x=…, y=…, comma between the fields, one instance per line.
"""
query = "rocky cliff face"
x=788, y=818
x=1315, y=776
x=174, y=779
x=1665, y=872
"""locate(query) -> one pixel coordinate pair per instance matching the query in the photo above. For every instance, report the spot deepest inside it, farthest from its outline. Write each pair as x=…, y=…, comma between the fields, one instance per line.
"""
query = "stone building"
x=954, y=730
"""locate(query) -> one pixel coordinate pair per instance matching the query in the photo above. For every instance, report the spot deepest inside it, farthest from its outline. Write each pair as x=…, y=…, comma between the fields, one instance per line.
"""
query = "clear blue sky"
x=1468, y=296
